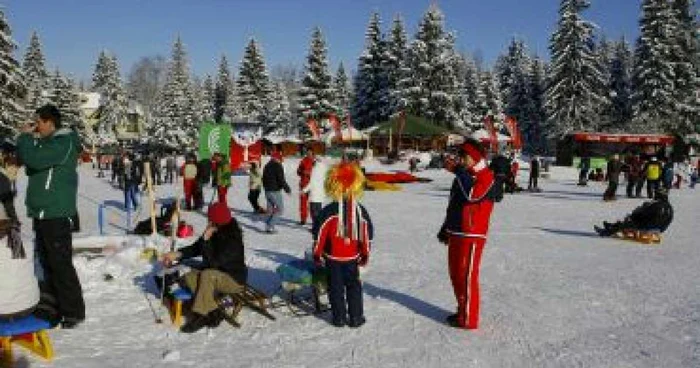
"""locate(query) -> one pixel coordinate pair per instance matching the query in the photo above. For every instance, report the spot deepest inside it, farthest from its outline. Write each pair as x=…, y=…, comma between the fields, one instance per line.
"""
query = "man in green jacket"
x=50, y=156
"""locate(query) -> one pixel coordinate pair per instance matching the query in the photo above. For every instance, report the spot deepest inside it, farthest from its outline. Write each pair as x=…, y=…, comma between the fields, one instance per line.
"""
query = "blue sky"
x=74, y=31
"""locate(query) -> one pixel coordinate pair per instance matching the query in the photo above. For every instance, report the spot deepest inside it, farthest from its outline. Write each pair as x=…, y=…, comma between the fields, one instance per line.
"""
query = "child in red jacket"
x=343, y=236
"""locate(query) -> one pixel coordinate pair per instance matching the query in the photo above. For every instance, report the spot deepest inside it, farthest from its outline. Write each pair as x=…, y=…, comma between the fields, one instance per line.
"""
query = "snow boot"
x=195, y=323
x=215, y=317
x=601, y=231
x=452, y=320
x=356, y=322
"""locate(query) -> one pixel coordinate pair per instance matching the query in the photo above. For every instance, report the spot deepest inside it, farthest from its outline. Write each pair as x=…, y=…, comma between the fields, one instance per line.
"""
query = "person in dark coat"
x=273, y=183
x=534, y=174
x=223, y=271
x=635, y=183
x=614, y=170
x=501, y=167
x=585, y=166
x=654, y=215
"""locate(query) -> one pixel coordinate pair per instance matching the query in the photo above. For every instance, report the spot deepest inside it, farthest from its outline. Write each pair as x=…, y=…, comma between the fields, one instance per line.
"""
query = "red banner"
x=335, y=123
x=493, y=136
x=313, y=127
x=512, y=126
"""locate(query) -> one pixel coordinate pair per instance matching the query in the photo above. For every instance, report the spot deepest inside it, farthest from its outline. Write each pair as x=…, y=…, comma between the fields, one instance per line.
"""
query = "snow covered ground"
x=553, y=293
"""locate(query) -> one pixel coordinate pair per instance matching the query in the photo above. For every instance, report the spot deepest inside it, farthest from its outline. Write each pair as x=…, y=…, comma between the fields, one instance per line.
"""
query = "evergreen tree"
x=654, y=94
x=395, y=64
x=371, y=103
x=208, y=97
x=604, y=51
x=100, y=75
x=176, y=117
x=254, y=90
x=572, y=97
x=536, y=114
x=224, y=93
x=619, y=113
x=64, y=95
x=471, y=86
x=316, y=92
x=113, y=103
x=35, y=74
x=343, y=92
x=281, y=117
x=12, y=87
x=490, y=101
x=686, y=66
x=432, y=84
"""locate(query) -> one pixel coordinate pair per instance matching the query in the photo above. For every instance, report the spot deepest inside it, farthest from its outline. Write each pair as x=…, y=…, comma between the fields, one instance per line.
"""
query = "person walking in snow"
x=223, y=178
x=315, y=189
x=132, y=179
x=304, y=173
x=652, y=170
x=273, y=183
x=614, y=170
x=254, y=187
x=170, y=169
x=534, y=174
x=224, y=270
x=189, y=173
x=465, y=228
x=342, y=237
x=50, y=154
x=635, y=183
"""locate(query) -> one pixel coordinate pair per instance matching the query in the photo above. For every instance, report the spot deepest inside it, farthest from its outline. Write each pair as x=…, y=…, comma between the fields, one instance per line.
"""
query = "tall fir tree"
x=113, y=102
x=619, y=112
x=472, y=92
x=686, y=65
x=316, y=92
x=432, y=84
x=536, y=113
x=176, y=118
x=253, y=85
x=35, y=75
x=342, y=91
x=208, y=97
x=604, y=51
x=371, y=104
x=572, y=97
x=654, y=94
x=100, y=75
x=490, y=101
x=224, y=93
x=395, y=63
x=12, y=88
x=64, y=95
x=281, y=117
x=516, y=58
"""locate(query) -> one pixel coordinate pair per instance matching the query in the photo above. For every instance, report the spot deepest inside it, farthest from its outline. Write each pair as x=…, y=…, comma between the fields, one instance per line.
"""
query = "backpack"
x=653, y=171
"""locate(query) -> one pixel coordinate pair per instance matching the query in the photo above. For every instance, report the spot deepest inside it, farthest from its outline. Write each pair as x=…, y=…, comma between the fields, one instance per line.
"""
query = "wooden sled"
x=640, y=236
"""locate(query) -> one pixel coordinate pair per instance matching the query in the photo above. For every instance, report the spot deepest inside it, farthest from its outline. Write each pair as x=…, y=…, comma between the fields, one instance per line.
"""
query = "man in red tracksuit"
x=304, y=172
x=466, y=227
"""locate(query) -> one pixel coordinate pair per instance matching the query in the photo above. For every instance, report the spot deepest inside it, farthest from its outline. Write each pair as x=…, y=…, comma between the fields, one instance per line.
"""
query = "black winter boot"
x=195, y=323
x=215, y=317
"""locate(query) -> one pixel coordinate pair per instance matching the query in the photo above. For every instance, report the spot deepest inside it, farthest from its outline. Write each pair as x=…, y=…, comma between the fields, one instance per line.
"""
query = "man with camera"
x=50, y=154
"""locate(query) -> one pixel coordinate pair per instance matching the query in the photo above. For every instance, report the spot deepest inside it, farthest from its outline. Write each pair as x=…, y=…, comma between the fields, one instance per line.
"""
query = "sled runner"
x=28, y=332
x=640, y=236
x=302, y=285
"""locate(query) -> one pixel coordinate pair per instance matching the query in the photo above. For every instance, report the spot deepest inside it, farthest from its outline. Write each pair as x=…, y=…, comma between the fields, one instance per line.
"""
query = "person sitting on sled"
x=223, y=272
x=652, y=216
x=342, y=235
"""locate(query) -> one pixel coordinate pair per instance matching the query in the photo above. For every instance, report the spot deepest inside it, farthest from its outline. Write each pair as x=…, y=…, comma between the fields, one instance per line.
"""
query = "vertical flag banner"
x=512, y=126
x=335, y=123
x=493, y=136
x=313, y=127
x=213, y=138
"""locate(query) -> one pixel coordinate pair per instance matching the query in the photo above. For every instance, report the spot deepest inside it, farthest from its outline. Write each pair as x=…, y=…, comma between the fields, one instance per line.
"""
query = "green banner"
x=214, y=138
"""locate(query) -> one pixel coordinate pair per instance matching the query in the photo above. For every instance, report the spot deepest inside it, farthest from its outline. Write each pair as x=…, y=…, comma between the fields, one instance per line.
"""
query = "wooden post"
x=151, y=198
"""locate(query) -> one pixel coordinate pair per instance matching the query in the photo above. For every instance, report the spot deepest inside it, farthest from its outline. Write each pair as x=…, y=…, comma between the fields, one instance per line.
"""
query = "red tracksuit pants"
x=303, y=207
x=222, y=191
x=464, y=258
x=189, y=192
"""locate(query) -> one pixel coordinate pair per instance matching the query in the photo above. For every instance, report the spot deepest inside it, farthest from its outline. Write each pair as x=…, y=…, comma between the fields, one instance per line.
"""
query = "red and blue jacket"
x=471, y=202
x=343, y=232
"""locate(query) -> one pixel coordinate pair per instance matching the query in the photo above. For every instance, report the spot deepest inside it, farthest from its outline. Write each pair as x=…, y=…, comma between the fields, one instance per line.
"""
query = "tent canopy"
x=277, y=139
x=349, y=134
x=483, y=135
x=415, y=126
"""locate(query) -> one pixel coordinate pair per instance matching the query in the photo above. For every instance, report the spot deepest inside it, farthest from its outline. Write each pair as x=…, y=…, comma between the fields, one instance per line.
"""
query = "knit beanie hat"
x=219, y=213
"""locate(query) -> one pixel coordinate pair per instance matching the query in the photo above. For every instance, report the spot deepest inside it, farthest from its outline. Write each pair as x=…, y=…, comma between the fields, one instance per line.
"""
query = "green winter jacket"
x=51, y=165
x=223, y=174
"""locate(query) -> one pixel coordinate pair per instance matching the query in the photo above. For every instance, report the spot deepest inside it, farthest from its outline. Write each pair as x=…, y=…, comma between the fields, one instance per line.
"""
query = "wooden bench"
x=28, y=332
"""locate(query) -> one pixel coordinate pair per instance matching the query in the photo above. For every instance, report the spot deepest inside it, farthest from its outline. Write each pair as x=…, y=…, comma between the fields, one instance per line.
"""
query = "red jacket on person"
x=343, y=237
x=304, y=171
x=470, y=206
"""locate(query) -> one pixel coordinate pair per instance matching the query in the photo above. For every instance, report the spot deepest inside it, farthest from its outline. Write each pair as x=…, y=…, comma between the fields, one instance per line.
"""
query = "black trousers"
x=253, y=196
x=344, y=286
x=652, y=186
x=54, y=244
x=532, y=183
x=316, y=208
x=634, y=187
x=611, y=192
